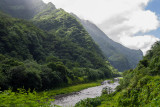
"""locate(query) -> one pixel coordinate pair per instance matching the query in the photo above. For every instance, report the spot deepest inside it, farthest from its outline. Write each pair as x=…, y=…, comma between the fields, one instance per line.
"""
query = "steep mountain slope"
x=139, y=87
x=59, y=53
x=119, y=56
x=67, y=38
x=27, y=9
x=79, y=45
x=20, y=39
x=24, y=9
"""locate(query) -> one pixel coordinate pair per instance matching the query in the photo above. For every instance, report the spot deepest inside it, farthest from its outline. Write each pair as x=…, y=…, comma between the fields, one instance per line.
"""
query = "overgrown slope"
x=60, y=53
x=120, y=57
x=25, y=9
x=51, y=19
x=141, y=86
x=138, y=88
x=75, y=43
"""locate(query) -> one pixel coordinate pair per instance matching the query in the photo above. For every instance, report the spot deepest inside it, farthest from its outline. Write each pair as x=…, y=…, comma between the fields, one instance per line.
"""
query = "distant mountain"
x=67, y=39
x=119, y=56
x=25, y=9
x=50, y=50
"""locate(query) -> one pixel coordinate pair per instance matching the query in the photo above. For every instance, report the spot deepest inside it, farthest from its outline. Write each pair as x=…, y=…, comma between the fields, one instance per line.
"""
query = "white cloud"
x=141, y=42
x=46, y=1
x=98, y=10
x=121, y=20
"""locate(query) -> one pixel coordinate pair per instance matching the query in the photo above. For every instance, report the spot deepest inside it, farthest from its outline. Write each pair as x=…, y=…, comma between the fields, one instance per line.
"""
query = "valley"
x=93, y=92
x=50, y=57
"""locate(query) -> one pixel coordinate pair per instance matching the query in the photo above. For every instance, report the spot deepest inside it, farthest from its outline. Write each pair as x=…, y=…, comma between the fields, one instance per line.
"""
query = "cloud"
x=141, y=42
x=130, y=24
x=121, y=20
x=98, y=10
x=46, y=1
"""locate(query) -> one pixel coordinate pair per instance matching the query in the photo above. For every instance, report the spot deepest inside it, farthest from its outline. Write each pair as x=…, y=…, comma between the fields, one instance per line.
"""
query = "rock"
x=116, y=79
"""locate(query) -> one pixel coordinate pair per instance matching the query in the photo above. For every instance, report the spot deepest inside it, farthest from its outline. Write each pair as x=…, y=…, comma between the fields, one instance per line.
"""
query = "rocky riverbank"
x=71, y=99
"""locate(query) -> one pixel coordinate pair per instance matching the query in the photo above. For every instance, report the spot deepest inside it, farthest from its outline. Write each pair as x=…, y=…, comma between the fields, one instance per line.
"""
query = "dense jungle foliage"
x=34, y=58
x=24, y=9
x=60, y=53
x=23, y=98
x=139, y=87
x=121, y=57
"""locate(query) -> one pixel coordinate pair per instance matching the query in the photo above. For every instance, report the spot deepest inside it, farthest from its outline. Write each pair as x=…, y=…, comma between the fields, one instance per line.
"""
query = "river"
x=69, y=100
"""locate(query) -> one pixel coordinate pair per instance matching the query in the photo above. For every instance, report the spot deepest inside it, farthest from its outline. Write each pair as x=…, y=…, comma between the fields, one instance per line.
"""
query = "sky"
x=133, y=23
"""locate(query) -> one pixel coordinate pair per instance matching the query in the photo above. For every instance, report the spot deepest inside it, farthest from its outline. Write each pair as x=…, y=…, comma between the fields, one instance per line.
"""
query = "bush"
x=3, y=81
x=17, y=77
x=89, y=102
x=23, y=98
x=50, y=79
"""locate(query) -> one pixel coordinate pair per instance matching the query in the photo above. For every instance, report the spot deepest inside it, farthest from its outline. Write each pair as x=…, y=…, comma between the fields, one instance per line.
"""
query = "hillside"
x=77, y=46
x=139, y=87
x=28, y=9
x=119, y=56
x=25, y=9
x=60, y=53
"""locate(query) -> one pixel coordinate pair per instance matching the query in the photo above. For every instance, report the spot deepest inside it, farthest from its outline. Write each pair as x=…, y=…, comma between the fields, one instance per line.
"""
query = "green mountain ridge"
x=71, y=33
x=120, y=57
x=56, y=53
x=47, y=17
x=24, y=9
x=139, y=87
x=52, y=49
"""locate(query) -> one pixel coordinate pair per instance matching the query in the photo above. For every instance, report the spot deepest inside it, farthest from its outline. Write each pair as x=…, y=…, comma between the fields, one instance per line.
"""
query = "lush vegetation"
x=69, y=89
x=25, y=9
x=89, y=102
x=139, y=87
x=120, y=57
x=31, y=75
x=50, y=51
x=58, y=52
x=53, y=50
x=23, y=98
x=74, y=42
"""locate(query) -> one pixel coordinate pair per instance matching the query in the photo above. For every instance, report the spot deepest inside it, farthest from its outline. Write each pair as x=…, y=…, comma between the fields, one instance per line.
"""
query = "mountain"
x=25, y=9
x=119, y=56
x=142, y=84
x=28, y=9
x=75, y=43
x=50, y=50
x=138, y=87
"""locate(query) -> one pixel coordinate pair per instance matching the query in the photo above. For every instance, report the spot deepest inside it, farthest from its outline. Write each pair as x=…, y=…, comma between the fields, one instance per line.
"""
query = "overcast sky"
x=133, y=23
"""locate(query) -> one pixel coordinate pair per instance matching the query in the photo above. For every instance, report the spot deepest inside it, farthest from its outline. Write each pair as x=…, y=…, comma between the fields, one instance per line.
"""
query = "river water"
x=70, y=100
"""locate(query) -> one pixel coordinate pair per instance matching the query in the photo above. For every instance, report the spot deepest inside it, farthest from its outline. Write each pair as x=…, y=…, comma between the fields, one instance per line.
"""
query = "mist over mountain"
x=48, y=50
x=47, y=17
x=25, y=9
x=121, y=57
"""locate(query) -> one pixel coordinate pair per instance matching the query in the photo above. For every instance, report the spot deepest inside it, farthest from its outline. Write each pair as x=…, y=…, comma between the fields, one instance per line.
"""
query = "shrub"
x=89, y=102
x=23, y=98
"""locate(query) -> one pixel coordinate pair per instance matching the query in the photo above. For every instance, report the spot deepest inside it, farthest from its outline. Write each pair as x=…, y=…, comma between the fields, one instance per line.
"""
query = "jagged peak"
x=51, y=5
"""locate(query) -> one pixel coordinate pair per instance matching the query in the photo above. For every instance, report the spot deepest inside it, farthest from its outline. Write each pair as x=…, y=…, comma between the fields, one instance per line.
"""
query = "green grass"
x=27, y=99
x=120, y=78
x=23, y=98
x=70, y=89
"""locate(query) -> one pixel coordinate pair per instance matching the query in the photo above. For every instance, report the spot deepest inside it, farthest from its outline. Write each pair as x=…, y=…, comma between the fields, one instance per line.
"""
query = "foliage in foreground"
x=23, y=98
x=70, y=89
x=33, y=58
x=31, y=75
x=140, y=87
x=89, y=102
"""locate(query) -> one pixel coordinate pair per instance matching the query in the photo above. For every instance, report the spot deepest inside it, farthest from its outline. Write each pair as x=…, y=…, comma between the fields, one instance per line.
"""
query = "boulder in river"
x=116, y=79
